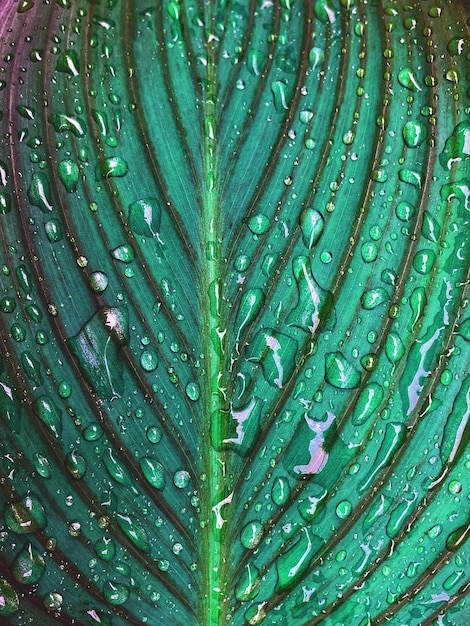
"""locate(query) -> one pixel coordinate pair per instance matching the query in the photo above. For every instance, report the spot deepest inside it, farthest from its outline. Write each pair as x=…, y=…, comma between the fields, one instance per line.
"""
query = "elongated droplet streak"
x=276, y=353
x=219, y=520
x=295, y=561
x=275, y=346
x=417, y=384
x=318, y=455
x=241, y=417
x=394, y=437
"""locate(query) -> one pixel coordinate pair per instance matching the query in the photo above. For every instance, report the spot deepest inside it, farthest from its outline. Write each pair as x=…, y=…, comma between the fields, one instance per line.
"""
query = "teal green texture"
x=234, y=288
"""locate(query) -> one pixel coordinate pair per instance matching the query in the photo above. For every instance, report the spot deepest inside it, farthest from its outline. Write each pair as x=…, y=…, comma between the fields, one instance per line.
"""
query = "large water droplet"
x=28, y=566
x=25, y=516
x=153, y=471
x=145, y=217
x=47, y=411
x=251, y=535
x=68, y=62
x=115, y=593
x=414, y=133
x=311, y=224
x=9, y=600
x=339, y=372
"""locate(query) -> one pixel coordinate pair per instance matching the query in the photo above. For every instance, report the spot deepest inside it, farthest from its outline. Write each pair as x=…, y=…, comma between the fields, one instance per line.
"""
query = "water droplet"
x=248, y=584
x=369, y=251
x=374, y=298
x=7, y=305
x=24, y=278
x=458, y=537
x=96, y=349
x=75, y=464
x=311, y=507
x=115, y=593
x=457, y=147
x=251, y=535
x=105, y=548
x=269, y=263
x=111, y=167
x=116, y=469
x=430, y=228
x=316, y=57
x=424, y=260
x=456, y=45
x=452, y=580
x=407, y=175
x=407, y=78
x=281, y=95
x=340, y=373
x=378, y=508
x=305, y=116
x=241, y=263
x=394, y=437
x=255, y=61
x=276, y=353
x=404, y=211
x=63, y=123
x=68, y=62
x=48, y=412
x=53, y=601
x=41, y=465
x=93, y=432
x=193, y=392
x=149, y=360
x=153, y=471
x=394, y=348
x=418, y=303
x=98, y=281
x=5, y=203
x=39, y=192
x=53, y=230
x=250, y=305
x=154, y=434
x=145, y=217
x=414, y=133
x=124, y=253
x=25, y=516
x=314, y=309
x=28, y=566
x=9, y=600
x=280, y=491
x=24, y=5
x=311, y=225
x=324, y=12
x=31, y=367
x=368, y=402
x=293, y=563
x=258, y=224
x=134, y=529
x=68, y=173
x=181, y=479
x=343, y=509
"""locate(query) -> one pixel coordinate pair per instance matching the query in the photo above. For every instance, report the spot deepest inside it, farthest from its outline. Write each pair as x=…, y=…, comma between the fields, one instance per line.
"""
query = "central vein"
x=212, y=333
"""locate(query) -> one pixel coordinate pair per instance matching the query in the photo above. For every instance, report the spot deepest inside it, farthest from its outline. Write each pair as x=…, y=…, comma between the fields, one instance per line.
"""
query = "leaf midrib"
x=210, y=255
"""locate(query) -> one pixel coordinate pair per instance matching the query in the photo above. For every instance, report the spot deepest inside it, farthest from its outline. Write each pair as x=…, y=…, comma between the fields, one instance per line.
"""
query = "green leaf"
x=234, y=384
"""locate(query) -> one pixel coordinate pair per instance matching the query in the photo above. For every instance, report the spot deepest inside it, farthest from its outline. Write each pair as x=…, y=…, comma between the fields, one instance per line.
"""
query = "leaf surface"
x=235, y=379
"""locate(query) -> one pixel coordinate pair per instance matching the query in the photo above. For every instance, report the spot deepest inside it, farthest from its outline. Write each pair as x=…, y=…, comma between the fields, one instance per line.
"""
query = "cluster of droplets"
x=343, y=405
